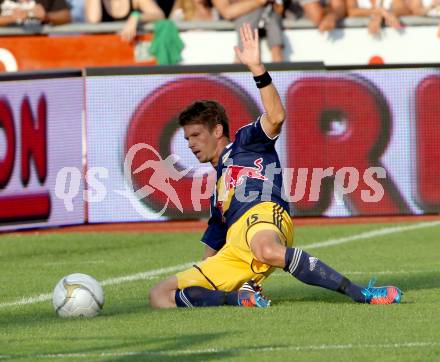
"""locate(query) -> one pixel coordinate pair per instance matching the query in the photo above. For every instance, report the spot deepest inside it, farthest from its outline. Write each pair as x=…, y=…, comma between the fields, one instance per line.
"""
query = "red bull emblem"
x=235, y=174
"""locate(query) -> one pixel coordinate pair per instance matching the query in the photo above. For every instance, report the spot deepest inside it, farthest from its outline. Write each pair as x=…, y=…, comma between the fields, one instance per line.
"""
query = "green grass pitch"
x=304, y=323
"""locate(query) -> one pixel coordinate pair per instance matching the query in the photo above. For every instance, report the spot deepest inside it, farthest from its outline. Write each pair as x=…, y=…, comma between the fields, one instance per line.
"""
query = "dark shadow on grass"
x=169, y=357
x=25, y=317
x=140, y=348
x=305, y=293
x=120, y=309
x=189, y=353
x=28, y=316
x=417, y=281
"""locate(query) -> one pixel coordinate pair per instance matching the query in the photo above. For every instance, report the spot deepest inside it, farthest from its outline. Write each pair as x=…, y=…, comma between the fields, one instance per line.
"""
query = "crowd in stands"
x=267, y=15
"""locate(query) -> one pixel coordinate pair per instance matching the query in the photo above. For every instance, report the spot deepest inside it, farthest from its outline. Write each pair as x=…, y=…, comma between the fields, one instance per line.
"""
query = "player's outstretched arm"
x=250, y=56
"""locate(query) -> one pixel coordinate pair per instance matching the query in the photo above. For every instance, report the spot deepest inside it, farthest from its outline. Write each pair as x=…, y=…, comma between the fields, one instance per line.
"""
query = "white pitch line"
x=383, y=272
x=172, y=269
x=27, y=300
x=371, y=234
x=390, y=272
x=217, y=351
x=112, y=281
x=84, y=262
x=146, y=275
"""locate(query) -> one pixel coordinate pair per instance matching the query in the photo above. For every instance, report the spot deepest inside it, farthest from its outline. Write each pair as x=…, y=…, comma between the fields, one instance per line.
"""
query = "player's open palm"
x=250, y=54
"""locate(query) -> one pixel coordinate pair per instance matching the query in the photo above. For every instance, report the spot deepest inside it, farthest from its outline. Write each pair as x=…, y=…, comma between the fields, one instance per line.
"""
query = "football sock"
x=311, y=270
x=202, y=297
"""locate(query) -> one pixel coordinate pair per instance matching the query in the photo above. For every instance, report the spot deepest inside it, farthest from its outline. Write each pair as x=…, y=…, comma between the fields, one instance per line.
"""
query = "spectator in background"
x=193, y=10
x=261, y=14
x=387, y=11
x=232, y=9
x=166, y=6
x=429, y=8
x=54, y=12
x=324, y=13
x=424, y=7
x=133, y=11
x=77, y=11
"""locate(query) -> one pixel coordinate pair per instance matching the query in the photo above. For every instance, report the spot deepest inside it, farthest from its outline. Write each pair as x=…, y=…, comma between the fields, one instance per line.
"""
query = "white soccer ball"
x=78, y=295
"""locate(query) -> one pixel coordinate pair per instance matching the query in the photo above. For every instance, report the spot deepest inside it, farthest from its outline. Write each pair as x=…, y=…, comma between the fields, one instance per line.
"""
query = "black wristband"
x=263, y=80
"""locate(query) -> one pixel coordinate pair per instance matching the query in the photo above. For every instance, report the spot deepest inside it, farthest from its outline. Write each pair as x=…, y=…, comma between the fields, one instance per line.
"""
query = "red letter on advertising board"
x=33, y=140
x=7, y=124
x=24, y=205
x=155, y=123
x=339, y=122
x=428, y=143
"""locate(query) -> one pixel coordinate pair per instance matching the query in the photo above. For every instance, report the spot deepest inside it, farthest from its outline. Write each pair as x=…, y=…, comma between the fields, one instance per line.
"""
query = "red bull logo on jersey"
x=235, y=174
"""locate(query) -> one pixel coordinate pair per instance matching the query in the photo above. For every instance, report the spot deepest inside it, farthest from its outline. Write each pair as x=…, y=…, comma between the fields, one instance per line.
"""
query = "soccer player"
x=248, y=236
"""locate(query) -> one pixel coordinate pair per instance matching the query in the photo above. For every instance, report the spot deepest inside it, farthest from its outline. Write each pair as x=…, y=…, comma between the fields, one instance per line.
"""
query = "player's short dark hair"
x=209, y=113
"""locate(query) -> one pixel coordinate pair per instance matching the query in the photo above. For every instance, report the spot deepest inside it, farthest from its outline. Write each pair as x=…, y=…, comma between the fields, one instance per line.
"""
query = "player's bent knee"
x=159, y=298
x=267, y=249
x=154, y=297
x=162, y=296
x=263, y=251
x=266, y=254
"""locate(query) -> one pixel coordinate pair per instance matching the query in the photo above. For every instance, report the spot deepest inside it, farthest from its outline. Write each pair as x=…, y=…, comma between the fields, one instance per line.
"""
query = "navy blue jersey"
x=248, y=173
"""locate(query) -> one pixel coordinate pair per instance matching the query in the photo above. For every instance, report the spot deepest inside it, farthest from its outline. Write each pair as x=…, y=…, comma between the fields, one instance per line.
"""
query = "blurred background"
x=83, y=82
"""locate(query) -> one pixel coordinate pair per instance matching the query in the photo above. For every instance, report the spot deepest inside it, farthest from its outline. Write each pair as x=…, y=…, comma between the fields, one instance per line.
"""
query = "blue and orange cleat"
x=381, y=295
x=249, y=295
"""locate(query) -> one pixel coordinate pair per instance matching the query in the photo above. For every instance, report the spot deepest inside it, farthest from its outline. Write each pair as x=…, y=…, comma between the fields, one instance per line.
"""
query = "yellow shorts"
x=235, y=263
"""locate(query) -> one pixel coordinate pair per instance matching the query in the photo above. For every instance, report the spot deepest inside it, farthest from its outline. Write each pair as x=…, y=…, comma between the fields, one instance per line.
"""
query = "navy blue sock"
x=202, y=297
x=311, y=270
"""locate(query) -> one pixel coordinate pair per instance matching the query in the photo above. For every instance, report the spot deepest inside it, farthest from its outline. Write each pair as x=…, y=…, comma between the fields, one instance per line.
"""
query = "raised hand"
x=250, y=54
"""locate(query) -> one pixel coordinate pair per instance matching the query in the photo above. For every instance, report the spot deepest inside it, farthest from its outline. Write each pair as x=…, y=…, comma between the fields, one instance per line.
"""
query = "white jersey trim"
x=271, y=138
